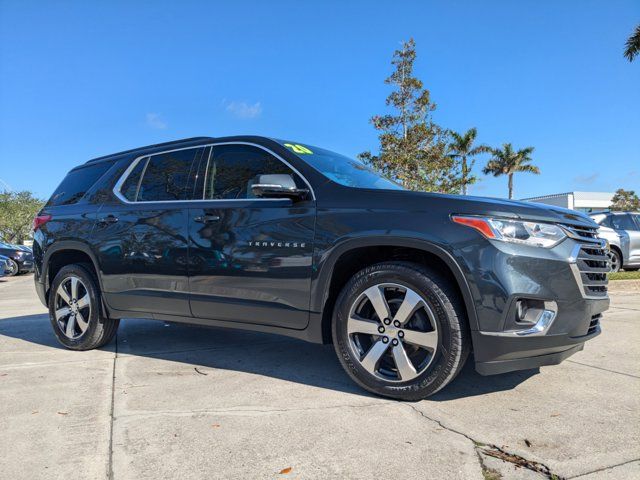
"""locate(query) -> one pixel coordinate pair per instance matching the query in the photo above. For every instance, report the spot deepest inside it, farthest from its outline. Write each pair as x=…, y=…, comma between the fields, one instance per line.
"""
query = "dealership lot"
x=168, y=400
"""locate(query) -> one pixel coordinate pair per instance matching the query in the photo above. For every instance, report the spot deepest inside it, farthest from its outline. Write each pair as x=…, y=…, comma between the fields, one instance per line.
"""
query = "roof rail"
x=157, y=145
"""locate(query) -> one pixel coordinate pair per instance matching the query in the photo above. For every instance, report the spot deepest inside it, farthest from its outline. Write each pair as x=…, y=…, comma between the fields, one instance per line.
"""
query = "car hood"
x=487, y=206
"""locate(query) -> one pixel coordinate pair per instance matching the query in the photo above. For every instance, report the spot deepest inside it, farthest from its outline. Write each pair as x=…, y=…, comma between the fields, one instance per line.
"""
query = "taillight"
x=40, y=220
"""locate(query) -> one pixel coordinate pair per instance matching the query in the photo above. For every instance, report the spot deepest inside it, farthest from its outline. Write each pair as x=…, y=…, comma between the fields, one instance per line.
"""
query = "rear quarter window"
x=77, y=183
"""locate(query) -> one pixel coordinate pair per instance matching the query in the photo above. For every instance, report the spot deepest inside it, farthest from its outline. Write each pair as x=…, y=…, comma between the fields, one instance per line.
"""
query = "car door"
x=141, y=235
x=634, y=239
x=250, y=258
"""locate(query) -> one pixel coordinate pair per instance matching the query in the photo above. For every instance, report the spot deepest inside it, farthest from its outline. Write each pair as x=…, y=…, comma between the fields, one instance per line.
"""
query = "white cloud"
x=586, y=179
x=243, y=109
x=155, y=120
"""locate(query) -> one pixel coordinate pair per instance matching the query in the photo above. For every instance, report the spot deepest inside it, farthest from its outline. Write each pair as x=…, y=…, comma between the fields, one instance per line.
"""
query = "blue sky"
x=82, y=79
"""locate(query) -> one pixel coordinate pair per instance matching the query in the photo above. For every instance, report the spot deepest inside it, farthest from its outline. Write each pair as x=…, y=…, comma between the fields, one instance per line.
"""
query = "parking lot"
x=172, y=401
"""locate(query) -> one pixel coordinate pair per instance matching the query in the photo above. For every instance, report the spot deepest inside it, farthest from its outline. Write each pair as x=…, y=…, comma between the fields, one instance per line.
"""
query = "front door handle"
x=108, y=219
x=207, y=218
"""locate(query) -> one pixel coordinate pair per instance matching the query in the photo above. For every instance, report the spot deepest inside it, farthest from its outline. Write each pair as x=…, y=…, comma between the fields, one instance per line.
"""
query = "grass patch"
x=625, y=275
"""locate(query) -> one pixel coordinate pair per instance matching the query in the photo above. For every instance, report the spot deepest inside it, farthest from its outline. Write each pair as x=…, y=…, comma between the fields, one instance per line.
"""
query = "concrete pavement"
x=167, y=401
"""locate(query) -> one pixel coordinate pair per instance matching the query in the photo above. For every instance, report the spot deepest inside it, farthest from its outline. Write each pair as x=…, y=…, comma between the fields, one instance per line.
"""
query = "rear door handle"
x=108, y=219
x=206, y=218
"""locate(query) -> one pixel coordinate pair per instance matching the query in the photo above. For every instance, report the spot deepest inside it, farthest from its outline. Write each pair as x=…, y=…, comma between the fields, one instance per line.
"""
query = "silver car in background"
x=622, y=231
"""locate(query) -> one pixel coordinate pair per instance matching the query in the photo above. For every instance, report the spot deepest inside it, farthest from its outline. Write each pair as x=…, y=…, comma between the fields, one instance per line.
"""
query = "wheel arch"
x=347, y=258
x=65, y=253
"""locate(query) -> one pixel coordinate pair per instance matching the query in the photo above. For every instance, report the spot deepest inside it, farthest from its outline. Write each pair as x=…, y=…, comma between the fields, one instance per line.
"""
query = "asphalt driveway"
x=173, y=401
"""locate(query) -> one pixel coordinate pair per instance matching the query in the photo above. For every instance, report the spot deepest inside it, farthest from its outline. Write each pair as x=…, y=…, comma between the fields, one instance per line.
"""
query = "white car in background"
x=622, y=231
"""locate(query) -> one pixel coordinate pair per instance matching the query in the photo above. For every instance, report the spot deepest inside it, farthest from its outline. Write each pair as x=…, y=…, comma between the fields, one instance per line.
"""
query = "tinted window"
x=606, y=221
x=166, y=176
x=130, y=186
x=232, y=170
x=77, y=183
x=622, y=222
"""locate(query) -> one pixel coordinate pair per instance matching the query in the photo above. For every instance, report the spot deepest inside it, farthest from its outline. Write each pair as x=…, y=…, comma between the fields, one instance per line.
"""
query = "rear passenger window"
x=77, y=183
x=166, y=177
x=232, y=170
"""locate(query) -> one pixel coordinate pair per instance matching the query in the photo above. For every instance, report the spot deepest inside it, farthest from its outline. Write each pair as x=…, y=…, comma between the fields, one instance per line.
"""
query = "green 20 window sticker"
x=298, y=148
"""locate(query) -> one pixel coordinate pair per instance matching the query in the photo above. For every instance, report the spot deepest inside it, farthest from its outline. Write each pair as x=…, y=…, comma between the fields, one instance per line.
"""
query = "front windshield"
x=339, y=168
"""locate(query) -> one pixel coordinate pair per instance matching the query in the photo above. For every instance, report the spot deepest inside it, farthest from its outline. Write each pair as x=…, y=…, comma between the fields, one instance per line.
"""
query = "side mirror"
x=278, y=186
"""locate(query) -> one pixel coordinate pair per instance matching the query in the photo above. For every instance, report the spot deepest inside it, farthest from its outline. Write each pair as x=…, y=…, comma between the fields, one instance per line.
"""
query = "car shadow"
x=251, y=352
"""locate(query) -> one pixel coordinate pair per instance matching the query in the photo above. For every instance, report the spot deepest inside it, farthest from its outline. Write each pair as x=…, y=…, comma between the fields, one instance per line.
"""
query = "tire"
x=75, y=311
x=434, y=335
x=616, y=260
x=15, y=268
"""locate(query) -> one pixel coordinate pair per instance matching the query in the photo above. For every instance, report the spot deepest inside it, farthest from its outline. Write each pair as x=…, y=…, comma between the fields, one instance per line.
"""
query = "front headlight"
x=537, y=234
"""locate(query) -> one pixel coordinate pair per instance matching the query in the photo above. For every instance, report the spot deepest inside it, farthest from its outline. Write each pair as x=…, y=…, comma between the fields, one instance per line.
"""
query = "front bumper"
x=546, y=276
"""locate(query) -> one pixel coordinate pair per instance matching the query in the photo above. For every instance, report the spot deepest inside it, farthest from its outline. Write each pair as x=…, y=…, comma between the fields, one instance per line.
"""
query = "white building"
x=583, y=201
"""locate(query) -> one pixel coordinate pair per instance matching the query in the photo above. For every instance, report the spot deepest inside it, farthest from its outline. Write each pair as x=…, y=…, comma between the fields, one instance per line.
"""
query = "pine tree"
x=414, y=150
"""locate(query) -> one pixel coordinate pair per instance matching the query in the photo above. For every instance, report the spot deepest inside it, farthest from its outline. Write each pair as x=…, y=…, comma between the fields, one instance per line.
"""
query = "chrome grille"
x=585, y=234
x=591, y=262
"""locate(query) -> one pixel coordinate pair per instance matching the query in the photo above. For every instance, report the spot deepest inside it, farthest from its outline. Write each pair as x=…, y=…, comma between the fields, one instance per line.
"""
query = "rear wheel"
x=400, y=331
x=74, y=310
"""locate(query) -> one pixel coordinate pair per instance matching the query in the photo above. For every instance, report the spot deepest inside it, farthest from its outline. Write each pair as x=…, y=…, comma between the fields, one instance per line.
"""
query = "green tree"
x=462, y=148
x=625, y=201
x=632, y=47
x=17, y=210
x=506, y=161
x=413, y=148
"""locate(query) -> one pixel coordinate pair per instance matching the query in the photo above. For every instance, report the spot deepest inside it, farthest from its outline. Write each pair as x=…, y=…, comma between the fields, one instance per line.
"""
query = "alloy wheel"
x=614, y=259
x=72, y=307
x=13, y=268
x=393, y=332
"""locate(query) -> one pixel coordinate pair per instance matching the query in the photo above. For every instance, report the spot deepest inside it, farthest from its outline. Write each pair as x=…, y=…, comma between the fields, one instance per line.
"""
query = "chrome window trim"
x=127, y=172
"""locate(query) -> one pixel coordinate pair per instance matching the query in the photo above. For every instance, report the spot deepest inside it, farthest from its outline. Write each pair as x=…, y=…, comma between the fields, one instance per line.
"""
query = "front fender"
x=328, y=260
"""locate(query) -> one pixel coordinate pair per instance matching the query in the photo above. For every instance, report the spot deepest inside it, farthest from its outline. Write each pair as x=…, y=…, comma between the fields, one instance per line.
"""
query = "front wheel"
x=616, y=261
x=14, y=268
x=74, y=310
x=400, y=330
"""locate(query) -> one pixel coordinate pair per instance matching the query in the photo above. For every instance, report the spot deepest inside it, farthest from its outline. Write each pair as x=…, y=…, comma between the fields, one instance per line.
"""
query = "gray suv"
x=622, y=231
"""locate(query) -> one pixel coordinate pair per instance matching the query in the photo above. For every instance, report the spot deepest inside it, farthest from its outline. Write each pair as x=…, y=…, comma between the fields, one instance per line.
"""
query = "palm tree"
x=462, y=148
x=507, y=161
x=632, y=47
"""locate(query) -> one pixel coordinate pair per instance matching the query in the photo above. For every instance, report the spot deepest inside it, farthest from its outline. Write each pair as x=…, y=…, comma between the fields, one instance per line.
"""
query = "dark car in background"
x=20, y=258
x=275, y=236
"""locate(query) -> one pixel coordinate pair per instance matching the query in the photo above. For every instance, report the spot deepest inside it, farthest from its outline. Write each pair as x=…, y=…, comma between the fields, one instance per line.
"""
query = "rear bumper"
x=40, y=290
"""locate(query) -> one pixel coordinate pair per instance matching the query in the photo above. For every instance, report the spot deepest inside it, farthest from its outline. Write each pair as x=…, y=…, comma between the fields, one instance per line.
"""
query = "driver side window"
x=232, y=169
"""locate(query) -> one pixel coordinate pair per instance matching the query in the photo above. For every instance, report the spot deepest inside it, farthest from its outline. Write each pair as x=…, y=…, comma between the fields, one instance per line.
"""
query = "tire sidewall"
x=88, y=280
x=437, y=372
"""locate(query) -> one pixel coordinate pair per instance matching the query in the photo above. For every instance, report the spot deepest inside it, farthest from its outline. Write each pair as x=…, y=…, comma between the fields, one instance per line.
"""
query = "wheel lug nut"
x=381, y=329
x=387, y=321
x=394, y=342
x=396, y=323
x=401, y=334
x=385, y=339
